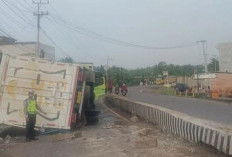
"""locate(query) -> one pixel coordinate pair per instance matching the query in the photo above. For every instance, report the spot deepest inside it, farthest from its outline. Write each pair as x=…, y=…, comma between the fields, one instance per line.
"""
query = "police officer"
x=30, y=107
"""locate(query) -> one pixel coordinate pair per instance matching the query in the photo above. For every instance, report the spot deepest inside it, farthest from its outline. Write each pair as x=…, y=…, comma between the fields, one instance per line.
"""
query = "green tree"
x=213, y=66
x=67, y=60
x=121, y=75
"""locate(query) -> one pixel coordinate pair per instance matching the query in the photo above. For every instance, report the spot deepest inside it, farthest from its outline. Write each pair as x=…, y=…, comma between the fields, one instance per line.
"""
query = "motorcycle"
x=116, y=91
x=124, y=92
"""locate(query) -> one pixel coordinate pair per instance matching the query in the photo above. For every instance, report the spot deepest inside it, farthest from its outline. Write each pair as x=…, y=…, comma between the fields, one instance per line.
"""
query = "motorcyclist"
x=116, y=89
x=124, y=87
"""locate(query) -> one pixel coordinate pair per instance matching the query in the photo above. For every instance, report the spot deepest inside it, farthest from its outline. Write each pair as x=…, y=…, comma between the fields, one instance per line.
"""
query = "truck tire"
x=92, y=117
x=86, y=97
x=89, y=76
x=92, y=120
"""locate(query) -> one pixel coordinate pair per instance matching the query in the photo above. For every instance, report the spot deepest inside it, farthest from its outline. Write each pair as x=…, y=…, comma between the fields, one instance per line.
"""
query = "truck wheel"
x=89, y=76
x=92, y=120
x=92, y=117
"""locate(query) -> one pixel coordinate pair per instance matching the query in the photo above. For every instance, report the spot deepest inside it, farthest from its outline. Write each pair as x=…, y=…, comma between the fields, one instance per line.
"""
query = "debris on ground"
x=111, y=125
x=150, y=142
x=144, y=132
x=58, y=137
x=66, y=136
x=77, y=134
x=134, y=119
x=192, y=150
x=84, y=138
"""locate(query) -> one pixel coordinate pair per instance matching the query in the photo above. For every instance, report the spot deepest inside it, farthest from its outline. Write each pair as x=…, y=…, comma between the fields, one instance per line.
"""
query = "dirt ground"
x=111, y=137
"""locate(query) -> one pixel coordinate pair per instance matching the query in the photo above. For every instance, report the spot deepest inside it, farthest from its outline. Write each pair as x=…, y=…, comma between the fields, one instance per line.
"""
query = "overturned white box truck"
x=64, y=91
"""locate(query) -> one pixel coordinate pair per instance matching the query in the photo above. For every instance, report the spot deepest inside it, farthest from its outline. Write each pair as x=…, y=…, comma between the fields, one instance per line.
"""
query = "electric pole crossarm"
x=39, y=14
x=204, y=42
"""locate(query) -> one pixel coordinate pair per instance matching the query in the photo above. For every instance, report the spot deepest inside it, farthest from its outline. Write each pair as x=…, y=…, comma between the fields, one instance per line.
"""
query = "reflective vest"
x=31, y=107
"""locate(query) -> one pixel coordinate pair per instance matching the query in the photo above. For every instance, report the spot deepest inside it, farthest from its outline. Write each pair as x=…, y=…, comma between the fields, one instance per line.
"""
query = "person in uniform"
x=30, y=108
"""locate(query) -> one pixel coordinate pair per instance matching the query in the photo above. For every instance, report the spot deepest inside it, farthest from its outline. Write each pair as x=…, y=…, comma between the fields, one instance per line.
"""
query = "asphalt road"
x=205, y=109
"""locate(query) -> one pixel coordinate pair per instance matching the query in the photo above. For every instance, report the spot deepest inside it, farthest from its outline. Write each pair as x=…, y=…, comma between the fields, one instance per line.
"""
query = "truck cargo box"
x=57, y=86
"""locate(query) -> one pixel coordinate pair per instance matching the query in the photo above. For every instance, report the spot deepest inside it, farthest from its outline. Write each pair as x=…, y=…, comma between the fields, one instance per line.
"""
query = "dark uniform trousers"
x=30, y=132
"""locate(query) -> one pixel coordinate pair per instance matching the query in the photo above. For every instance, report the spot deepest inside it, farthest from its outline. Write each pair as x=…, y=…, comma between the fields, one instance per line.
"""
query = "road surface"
x=111, y=137
x=205, y=109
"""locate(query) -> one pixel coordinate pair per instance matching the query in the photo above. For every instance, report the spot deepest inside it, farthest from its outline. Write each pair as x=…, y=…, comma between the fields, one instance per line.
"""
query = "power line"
x=10, y=36
x=4, y=32
x=44, y=32
x=10, y=18
x=10, y=8
x=71, y=37
x=27, y=8
x=22, y=46
x=28, y=4
x=38, y=14
x=9, y=27
x=98, y=36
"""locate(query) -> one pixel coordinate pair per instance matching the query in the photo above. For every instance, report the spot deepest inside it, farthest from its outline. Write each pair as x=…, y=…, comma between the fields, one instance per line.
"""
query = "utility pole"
x=197, y=81
x=39, y=14
x=107, y=73
x=196, y=74
x=107, y=67
x=204, y=42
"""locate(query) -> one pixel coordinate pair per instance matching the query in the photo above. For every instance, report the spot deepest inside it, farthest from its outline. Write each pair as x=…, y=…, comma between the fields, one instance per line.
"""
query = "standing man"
x=30, y=107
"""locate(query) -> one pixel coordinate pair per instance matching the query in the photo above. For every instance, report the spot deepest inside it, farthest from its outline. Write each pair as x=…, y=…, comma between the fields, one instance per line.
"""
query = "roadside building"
x=225, y=57
x=10, y=46
x=218, y=84
x=6, y=40
x=221, y=85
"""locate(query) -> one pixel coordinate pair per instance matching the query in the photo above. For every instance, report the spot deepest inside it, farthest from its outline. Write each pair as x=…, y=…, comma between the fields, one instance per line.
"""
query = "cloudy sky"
x=91, y=30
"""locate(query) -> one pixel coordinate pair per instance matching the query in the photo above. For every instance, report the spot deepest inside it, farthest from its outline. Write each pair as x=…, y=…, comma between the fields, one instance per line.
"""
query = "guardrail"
x=188, y=127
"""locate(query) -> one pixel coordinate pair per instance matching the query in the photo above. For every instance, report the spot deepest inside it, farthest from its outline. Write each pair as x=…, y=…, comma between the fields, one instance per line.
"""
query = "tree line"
x=121, y=75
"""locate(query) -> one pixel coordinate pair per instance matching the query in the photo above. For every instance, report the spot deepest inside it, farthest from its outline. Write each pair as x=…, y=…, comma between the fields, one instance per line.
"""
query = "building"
x=218, y=84
x=11, y=47
x=6, y=40
x=225, y=57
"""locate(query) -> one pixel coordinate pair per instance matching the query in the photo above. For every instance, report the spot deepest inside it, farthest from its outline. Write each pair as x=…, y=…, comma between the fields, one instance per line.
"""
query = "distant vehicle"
x=181, y=87
x=124, y=90
x=116, y=90
x=159, y=81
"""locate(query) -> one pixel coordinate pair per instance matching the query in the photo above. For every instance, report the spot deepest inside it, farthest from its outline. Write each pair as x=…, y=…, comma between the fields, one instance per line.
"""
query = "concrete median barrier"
x=188, y=127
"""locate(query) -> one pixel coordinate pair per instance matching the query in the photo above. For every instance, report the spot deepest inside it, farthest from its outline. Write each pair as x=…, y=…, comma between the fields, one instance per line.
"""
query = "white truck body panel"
x=53, y=82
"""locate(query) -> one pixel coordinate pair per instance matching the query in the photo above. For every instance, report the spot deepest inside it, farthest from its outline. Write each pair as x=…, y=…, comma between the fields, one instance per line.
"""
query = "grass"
x=165, y=91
